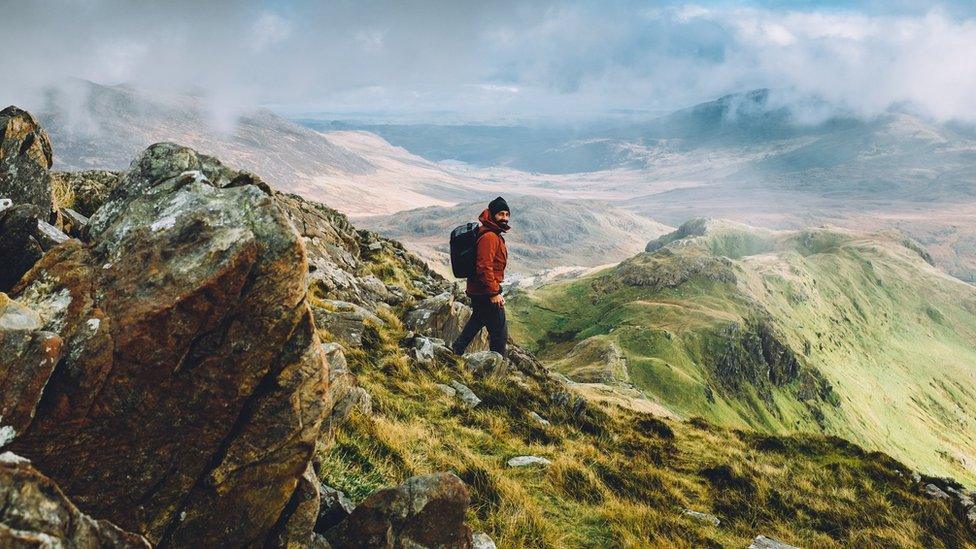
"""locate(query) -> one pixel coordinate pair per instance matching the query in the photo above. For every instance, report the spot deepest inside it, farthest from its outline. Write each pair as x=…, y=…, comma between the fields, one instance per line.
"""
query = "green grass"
x=619, y=478
x=895, y=339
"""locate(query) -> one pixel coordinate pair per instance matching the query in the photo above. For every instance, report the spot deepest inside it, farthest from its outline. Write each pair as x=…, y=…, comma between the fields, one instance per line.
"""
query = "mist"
x=500, y=61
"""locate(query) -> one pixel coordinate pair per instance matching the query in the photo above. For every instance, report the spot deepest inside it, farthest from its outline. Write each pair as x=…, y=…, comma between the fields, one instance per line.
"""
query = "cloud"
x=269, y=29
x=446, y=60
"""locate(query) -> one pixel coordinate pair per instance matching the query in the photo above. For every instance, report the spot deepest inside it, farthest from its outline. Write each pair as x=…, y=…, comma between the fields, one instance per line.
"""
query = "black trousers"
x=486, y=314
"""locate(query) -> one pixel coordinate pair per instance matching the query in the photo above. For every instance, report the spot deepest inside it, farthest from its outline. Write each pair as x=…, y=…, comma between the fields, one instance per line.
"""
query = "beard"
x=503, y=225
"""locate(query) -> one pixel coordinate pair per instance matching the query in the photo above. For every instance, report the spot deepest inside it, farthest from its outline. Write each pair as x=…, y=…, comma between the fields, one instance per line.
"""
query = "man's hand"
x=498, y=299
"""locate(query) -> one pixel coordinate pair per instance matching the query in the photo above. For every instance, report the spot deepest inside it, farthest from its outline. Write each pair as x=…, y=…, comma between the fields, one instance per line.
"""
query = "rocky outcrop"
x=424, y=512
x=443, y=316
x=191, y=385
x=25, y=158
x=35, y=513
x=19, y=244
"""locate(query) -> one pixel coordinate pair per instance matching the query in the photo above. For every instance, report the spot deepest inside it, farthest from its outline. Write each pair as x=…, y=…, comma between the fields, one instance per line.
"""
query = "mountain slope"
x=824, y=330
x=545, y=234
x=102, y=127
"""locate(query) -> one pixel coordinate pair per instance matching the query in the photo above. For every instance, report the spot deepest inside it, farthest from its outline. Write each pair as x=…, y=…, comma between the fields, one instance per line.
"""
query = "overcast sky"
x=501, y=60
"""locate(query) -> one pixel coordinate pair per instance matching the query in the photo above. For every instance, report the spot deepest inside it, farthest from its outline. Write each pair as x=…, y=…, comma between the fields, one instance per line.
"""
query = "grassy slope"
x=894, y=337
x=618, y=478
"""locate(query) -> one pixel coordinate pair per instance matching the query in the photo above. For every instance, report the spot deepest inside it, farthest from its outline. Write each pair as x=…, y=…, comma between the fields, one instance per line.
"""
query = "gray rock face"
x=465, y=394
x=25, y=158
x=35, y=513
x=485, y=363
x=524, y=461
x=762, y=542
x=424, y=512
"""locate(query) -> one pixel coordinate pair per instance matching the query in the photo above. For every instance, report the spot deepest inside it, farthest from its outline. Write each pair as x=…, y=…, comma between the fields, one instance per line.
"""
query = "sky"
x=503, y=60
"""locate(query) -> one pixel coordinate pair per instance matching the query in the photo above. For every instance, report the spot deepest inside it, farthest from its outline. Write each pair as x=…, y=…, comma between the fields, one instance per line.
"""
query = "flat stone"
x=539, y=419
x=762, y=542
x=481, y=540
x=935, y=492
x=466, y=395
x=447, y=389
x=703, y=517
x=485, y=363
x=524, y=461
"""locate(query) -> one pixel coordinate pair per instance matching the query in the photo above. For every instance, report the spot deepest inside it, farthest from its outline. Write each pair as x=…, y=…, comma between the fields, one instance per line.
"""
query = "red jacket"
x=489, y=267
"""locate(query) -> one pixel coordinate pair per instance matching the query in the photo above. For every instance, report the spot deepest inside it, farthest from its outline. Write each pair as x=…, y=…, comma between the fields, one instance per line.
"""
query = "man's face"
x=502, y=216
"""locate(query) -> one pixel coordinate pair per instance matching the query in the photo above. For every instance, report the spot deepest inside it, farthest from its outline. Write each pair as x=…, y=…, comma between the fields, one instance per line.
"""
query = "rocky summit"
x=189, y=381
x=189, y=357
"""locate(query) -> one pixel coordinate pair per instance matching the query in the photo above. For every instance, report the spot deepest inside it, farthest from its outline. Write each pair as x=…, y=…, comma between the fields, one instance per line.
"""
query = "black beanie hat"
x=498, y=205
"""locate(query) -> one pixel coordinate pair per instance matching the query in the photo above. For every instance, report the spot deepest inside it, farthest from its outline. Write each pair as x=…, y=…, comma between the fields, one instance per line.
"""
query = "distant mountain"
x=848, y=333
x=102, y=127
x=545, y=233
x=751, y=158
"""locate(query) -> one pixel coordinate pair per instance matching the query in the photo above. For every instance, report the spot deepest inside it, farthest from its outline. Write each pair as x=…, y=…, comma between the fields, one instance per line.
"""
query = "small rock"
x=333, y=509
x=485, y=363
x=481, y=541
x=539, y=419
x=446, y=389
x=762, y=542
x=703, y=517
x=466, y=395
x=49, y=236
x=72, y=222
x=523, y=461
x=425, y=511
x=935, y=492
x=356, y=399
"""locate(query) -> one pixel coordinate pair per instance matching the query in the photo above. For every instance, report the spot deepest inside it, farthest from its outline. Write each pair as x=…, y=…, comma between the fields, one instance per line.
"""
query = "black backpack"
x=464, y=249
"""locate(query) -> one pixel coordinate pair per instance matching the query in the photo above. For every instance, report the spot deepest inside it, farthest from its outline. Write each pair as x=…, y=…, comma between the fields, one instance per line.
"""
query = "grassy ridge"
x=884, y=345
x=618, y=478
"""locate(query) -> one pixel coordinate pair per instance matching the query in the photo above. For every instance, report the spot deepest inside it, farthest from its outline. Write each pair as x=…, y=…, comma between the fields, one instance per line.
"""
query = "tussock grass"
x=618, y=478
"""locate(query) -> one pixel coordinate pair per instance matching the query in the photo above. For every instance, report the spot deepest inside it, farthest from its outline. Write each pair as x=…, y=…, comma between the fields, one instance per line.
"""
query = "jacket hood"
x=488, y=222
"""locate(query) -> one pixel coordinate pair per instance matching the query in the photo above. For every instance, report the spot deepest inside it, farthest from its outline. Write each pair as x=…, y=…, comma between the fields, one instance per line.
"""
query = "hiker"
x=484, y=288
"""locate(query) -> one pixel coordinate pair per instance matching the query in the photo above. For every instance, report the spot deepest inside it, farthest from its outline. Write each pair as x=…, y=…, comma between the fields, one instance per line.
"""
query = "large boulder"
x=35, y=513
x=25, y=158
x=424, y=512
x=192, y=384
x=19, y=245
x=442, y=316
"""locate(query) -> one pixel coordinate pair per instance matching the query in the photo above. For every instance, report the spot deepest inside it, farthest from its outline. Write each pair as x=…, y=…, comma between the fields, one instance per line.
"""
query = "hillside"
x=754, y=157
x=546, y=233
x=93, y=126
x=821, y=330
x=213, y=362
